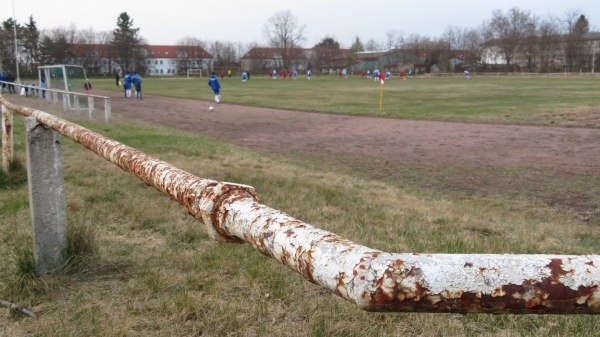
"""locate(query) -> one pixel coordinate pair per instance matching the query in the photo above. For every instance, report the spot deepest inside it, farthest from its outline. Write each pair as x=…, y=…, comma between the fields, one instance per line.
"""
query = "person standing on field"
x=87, y=86
x=117, y=78
x=43, y=85
x=11, y=87
x=127, y=85
x=213, y=83
x=137, y=82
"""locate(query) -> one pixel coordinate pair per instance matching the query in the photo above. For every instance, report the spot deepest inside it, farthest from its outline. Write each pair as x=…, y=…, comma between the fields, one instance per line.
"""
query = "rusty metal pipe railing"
x=65, y=98
x=372, y=279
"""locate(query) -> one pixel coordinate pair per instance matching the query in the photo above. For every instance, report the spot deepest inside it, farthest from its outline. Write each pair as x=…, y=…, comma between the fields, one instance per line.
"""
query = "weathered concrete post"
x=76, y=104
x=91, y=106
x=107, y=111
x=65, y=99
x=7, y=138
x=46, y=196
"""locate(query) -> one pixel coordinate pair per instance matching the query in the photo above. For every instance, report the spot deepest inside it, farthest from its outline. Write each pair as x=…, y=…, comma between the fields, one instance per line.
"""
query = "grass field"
x=523, y=100
x=149, y=269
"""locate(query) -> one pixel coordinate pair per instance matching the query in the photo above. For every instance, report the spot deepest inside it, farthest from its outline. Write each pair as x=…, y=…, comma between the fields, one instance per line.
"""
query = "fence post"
x=91, y=106
x=107, y=111
x=76, y=104
x=7, y=138
x=46, y=196
x=65, y=99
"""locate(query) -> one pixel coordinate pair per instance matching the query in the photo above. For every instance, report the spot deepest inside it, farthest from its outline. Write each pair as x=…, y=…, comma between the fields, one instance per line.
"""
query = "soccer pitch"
x=520, y=100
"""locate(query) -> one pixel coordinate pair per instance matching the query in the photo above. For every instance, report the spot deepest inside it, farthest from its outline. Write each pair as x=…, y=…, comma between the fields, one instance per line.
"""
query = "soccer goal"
x=63, y=77
x=67, y=77
x=192, y=73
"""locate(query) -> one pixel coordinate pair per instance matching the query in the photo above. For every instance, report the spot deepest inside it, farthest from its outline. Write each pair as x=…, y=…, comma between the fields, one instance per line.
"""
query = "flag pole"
x=381, y=96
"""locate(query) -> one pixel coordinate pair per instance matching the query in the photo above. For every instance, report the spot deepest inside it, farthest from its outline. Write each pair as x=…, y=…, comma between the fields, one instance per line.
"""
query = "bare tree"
x=529, y=48
x=548, y=43
x=230, y=55
x=190, y=52
x=285, y=33
x=56, y=46
x=373, y=45
x=394, y=39
x=474, y=44
x=435, y=52
x=460, y=42
x=88, y=50
x=510, y=30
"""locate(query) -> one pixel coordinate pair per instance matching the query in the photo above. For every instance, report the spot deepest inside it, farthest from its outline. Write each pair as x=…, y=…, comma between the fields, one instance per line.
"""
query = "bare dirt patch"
x=557, y=165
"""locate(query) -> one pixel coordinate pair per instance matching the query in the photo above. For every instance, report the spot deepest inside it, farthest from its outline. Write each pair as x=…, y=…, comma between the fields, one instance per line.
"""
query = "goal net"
x=191, y=73
x=65, y=77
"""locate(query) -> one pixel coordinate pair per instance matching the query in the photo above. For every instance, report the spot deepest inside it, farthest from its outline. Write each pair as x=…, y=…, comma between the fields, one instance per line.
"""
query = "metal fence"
x=373, y=280
x=70, y=100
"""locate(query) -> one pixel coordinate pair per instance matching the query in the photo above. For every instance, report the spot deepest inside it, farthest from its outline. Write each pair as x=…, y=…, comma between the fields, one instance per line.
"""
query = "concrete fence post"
x=65, y=99
x=7, y=138
x=76, y=104
x=46, y=195
x=107, y=111
x=90, y=100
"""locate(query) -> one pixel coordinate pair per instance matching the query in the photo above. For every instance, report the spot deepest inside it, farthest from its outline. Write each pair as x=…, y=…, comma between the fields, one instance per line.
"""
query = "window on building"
x=160, y=61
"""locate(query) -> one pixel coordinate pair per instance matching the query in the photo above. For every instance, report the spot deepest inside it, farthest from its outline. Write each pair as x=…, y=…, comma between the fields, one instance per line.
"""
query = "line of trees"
x=61, y=45
x=516, y=38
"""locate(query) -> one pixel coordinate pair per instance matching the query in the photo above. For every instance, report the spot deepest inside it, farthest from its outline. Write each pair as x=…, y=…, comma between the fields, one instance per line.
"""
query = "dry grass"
x=156, y=273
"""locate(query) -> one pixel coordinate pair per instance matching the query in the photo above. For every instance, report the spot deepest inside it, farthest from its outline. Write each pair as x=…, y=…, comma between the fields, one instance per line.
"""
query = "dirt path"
x=393, y=145
x=575, y=150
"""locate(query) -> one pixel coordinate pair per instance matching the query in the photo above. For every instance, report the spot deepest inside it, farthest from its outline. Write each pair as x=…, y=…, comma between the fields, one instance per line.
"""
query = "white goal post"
x=195, y=73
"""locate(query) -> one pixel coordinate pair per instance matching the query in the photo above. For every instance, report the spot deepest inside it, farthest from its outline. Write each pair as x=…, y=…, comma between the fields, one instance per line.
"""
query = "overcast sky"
x=166, y=22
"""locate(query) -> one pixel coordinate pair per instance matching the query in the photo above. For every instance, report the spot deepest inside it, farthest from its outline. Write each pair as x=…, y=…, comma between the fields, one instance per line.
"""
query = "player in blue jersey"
x=137, y=82
x=127, y=84
x=213, y=83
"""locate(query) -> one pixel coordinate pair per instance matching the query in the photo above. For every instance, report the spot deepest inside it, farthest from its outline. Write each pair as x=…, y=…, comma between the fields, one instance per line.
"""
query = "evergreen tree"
x=31, y=39
x=126, y=43
x=7, y=45
x=357, y=46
